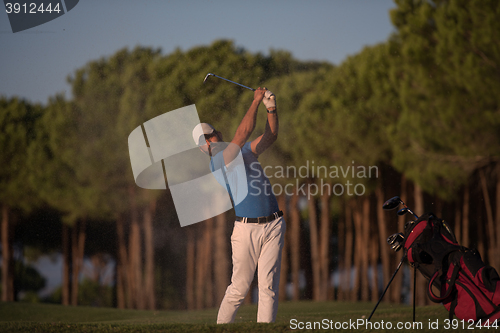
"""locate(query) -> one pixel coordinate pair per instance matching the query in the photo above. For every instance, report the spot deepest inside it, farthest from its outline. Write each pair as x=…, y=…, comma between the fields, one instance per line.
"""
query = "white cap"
x=202, y=129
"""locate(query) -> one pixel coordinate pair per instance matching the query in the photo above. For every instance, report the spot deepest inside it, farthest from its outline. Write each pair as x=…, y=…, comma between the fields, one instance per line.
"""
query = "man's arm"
x=245, y=128
x=270, y=135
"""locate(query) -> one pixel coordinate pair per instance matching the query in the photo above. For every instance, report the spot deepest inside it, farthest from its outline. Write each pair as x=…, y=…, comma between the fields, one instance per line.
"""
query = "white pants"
x=255, y=245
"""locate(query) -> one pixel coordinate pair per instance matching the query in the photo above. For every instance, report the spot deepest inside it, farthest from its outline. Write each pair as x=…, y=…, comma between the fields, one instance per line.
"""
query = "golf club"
x=239, y=84
x=396, y=241
x=394, y=202
x=402, y=211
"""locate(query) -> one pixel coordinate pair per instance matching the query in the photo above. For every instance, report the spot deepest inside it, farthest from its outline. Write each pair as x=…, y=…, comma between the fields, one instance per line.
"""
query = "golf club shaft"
x=411, y=212
x=239, y=84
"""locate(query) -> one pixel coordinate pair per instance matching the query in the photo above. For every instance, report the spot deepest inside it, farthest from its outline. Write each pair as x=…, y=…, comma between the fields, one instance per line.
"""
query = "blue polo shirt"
x=253, y=196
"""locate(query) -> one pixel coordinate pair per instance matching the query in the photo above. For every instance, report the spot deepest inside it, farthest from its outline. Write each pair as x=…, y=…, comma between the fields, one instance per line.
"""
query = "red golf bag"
x=458, y=278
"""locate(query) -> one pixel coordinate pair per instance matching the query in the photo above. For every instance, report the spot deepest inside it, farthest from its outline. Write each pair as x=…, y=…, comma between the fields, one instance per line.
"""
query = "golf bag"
x=465, y=286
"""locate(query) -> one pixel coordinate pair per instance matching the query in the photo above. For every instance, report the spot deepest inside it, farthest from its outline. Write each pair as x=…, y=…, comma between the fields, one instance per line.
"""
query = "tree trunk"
x=358, y=247
x=295, y=246
x=397, y=283
x=135, y=266
x=325, y=246
x=135, y=255
x=77, y=251
x=438, y=207
x=190, y=267
x=489, y=215
x=221, y=257
x=419, y=200
x=458, y=222
x=357, y=255
x=123, y=292
x=349, y=248
x=421, y=281
x=75, y=264
x=7, y=258
x=200, y=266
x=149, y=276
x=481, y=226
x=284, y=252
x=465, y=221
x=207, y=262
x=383, y=234
x=313, y=229
x=341, y=235
x=363, y=230
x=119, y=289
x=65, y=288
x=374, y=256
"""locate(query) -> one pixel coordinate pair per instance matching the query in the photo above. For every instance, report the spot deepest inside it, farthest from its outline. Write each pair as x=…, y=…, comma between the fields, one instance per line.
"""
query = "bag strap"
x=453, y=305
x=440, y=298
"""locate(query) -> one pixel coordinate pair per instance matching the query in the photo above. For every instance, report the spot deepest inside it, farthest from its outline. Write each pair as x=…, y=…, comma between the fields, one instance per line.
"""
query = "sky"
x=35, y=63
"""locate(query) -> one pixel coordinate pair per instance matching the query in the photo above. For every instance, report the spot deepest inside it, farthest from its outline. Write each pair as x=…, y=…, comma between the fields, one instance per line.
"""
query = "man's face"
x=214, y=138
x=217, y=137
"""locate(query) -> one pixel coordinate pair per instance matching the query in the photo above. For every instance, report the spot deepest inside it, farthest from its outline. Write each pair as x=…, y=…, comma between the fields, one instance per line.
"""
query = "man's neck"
x=217, y=147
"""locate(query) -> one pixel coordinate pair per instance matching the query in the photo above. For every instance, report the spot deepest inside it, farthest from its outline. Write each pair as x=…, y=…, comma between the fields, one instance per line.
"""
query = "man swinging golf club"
x=258, y=234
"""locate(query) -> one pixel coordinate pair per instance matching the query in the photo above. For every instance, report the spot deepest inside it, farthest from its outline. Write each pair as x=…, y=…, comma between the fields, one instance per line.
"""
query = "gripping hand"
x=269, y=100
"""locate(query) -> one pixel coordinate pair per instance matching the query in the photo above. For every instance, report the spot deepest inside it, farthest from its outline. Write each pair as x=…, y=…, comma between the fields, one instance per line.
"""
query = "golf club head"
x=396, y=241
x=396, y=247
x=395, y=238
x=392, y=203
x=206, y=77
x=402, y=211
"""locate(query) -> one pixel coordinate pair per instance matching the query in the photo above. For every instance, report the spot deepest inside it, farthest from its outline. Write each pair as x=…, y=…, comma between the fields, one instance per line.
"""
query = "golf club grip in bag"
x=467, y=287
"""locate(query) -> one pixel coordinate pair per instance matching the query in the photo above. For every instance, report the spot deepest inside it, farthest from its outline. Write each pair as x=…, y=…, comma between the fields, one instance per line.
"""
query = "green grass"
x=25, y=317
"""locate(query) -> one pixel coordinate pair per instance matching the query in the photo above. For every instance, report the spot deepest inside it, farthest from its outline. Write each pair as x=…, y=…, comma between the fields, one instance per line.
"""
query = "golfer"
x=258, y=234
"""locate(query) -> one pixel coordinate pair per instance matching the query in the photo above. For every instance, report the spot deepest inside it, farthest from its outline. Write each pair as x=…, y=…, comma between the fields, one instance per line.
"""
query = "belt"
x=260, y=219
